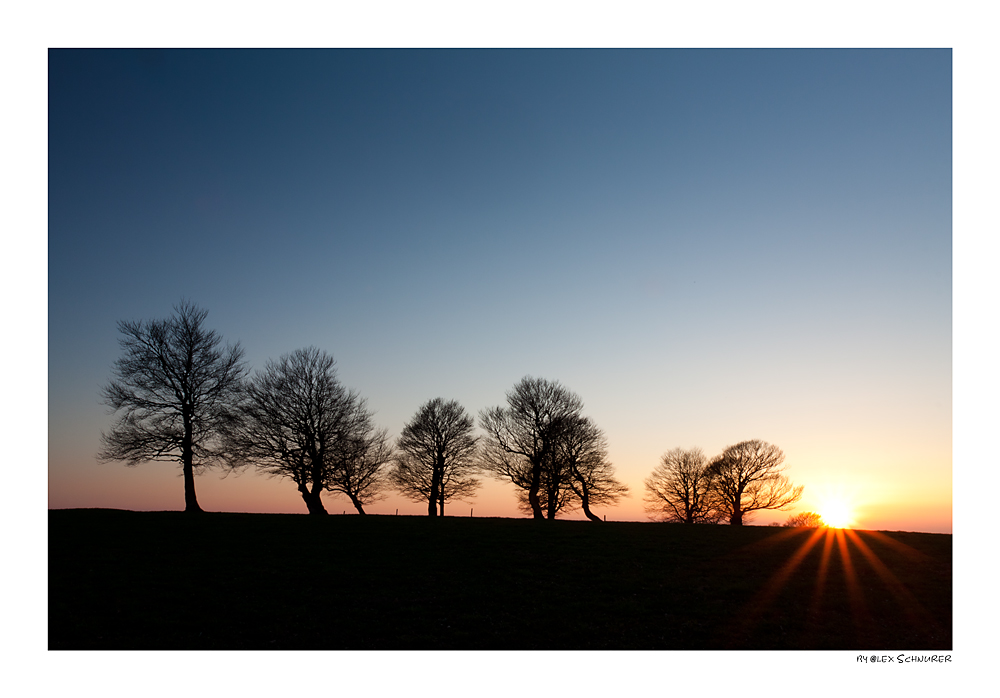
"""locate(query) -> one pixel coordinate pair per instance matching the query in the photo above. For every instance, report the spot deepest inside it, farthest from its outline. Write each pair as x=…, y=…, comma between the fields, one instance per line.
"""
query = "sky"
x=707, y=246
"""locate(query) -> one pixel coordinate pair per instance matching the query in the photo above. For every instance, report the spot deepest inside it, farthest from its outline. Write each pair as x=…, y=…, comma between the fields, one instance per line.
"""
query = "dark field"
x=165, y=580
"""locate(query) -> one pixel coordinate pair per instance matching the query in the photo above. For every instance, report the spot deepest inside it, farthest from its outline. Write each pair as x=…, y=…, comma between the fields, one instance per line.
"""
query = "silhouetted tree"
x=556, y=457
x=175, y=388
x=583, y=448
x=436, y=456
x=680, y=489
x=360, y=473
x=808, y=519
x=521, y=438
x=298, y=421
x=748, y=477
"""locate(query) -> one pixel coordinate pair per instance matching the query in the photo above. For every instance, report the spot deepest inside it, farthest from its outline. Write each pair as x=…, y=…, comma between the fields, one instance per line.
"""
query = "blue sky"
x=707, y=245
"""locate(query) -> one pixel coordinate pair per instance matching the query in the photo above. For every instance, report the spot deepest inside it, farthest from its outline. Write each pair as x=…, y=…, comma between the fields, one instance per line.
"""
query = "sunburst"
x=837, y=513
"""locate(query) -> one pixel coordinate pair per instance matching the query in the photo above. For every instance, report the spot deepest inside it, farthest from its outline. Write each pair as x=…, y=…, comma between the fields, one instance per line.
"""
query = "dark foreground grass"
x=166, y=580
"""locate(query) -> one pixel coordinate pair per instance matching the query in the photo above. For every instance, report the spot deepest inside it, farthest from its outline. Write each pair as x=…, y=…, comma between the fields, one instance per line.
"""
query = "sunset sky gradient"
x=707, y=246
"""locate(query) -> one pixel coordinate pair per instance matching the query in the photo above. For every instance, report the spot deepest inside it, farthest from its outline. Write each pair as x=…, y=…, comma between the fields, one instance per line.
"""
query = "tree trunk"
x=737, y=518
x=357, y=504
x=550, y=512
x=313, y=502
x=432, y=501
x=590, y=515
x=533, y=501
x=536, y=506
x=187, y=465
x=553, y=502
x=585, y=504
x=190, y=499
x=585, y=497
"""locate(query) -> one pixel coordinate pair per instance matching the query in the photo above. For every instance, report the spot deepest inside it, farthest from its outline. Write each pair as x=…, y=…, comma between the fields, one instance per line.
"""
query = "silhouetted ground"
x=166, y=580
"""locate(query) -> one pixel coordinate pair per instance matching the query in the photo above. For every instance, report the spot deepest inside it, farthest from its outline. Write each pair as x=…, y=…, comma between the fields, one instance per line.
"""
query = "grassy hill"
x=166, y=580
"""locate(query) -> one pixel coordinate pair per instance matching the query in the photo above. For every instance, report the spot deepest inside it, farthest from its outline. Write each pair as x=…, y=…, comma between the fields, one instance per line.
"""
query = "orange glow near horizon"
x=77, y=482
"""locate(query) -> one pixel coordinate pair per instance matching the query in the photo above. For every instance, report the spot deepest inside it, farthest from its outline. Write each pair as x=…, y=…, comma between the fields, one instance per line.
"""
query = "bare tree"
x=584, y=450
x=748, y=477
x=680, y=489
x=299, y=422
x=436, y=456
x=521, y=438
x=807, y=519
x=556, y=457
x=361, y=467
x=175, y=388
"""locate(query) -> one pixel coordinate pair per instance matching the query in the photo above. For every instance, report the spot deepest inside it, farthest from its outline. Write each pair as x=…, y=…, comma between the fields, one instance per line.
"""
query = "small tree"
x=436, y=456
x=748, y=477
x=680, y=489
x=175, y=388
x=299, y=422
x=805, y=519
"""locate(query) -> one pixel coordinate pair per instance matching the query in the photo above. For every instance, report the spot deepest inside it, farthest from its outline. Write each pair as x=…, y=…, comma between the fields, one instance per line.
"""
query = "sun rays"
x=846, y=575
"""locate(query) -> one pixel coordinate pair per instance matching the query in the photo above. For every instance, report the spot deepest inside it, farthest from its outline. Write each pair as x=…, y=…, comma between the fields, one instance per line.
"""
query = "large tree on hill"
x=556, y=457
x=681, y=489
x=436, y=456
x=748, y=477
x=175, y=388
x=521, y=438
x=297, y=421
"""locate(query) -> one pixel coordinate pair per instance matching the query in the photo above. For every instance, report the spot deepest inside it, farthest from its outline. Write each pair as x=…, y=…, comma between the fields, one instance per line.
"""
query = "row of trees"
x=183, y=397
x=687, y=487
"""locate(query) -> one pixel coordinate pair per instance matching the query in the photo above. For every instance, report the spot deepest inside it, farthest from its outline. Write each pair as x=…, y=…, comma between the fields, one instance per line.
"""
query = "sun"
x=837, y=513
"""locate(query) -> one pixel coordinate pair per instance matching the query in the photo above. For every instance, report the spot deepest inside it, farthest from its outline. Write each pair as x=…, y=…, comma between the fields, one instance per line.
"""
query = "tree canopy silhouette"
x=436, y=456
x=807, y=519
x=582, y=451
x=748, y=477
x=521, y=438
x=681, y=489
x=175, y=388
x=543, y=445
x=296, y=420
